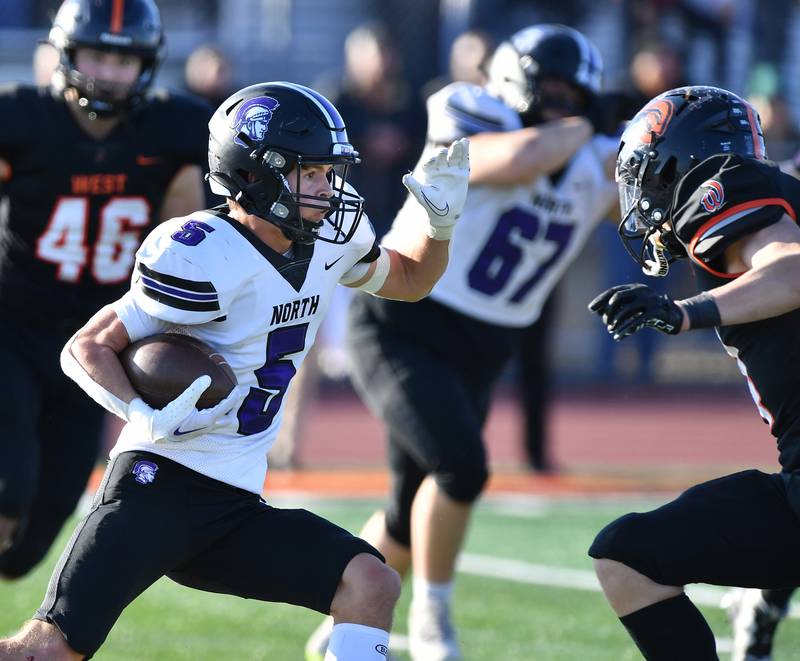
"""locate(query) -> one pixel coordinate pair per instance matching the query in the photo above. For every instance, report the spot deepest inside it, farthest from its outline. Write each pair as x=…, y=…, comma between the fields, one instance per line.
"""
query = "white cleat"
x=431, y=635
x=754, y=622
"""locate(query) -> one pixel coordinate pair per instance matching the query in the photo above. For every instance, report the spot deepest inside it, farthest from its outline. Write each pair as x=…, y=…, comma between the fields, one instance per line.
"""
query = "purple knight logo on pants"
x=144, y=471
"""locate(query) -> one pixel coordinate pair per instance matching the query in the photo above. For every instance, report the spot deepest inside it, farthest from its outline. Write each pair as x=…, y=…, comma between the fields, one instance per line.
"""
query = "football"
x=161, y=367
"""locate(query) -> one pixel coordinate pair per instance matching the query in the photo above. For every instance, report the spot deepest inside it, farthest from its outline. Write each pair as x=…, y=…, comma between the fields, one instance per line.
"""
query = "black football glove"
x=626, y=309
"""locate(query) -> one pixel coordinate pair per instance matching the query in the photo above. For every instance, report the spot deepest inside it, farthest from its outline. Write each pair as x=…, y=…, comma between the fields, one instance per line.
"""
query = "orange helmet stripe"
x=758, y=141
x=117, y=12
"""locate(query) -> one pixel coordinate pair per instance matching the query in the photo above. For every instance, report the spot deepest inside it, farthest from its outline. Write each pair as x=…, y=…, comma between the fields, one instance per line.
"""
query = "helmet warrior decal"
x=253, y=117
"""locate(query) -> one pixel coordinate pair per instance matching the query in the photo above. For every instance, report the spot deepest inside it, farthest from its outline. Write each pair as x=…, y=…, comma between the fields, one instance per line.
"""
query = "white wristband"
x=440, y=233
x=380, y=273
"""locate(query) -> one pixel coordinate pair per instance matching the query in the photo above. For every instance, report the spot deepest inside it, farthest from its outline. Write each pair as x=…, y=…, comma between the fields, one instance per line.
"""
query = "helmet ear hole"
x=668, y=172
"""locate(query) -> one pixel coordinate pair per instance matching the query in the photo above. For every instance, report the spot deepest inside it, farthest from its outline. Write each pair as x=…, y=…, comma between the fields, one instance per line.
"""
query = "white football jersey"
x=512, y=243
x=208, y=276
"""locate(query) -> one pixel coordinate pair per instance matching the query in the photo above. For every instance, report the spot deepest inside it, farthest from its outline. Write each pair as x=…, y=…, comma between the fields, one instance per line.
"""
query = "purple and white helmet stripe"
x=590, y=70
x=334, y=119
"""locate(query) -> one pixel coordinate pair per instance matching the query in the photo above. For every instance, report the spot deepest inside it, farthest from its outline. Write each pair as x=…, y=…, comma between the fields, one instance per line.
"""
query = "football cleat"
x=754, y=622
x=431, y=635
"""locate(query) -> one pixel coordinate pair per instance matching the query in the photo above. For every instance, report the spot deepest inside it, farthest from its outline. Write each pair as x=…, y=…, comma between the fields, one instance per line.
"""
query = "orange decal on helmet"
x=117, y=12
x=652, y=120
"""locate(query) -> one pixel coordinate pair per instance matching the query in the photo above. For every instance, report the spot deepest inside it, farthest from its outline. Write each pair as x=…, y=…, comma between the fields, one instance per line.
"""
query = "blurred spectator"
x=209, y=74
x=534, y=387
x=771, y=20
x=686, y=21
x=780, y=130
x=654, y=69
x=468, y=55
x=384, y=118
x=386, y=124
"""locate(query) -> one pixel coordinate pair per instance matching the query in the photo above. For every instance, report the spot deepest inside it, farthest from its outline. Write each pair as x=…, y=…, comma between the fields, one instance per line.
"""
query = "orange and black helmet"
x=130, y=27
x=669, y=136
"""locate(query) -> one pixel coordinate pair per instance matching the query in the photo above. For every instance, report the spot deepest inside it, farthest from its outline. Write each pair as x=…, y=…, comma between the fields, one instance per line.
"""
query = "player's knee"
x=367, y=593
x=614, y=541
x=612, y=575
x=464, y=482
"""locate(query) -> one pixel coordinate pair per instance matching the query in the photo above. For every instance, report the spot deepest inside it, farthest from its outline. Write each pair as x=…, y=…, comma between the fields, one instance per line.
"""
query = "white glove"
x=180, y=420
x=444, y=189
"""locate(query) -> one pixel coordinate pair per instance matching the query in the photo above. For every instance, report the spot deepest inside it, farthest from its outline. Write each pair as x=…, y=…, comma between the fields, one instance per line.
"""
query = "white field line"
x=578, y=579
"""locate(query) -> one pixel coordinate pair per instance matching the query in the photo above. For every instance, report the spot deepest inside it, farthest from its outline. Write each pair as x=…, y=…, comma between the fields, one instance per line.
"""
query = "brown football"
x=161, y=367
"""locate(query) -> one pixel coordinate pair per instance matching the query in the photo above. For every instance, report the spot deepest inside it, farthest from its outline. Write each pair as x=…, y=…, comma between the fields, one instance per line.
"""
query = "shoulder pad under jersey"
x=723, y=199
x=184, y=273
x=463, y=109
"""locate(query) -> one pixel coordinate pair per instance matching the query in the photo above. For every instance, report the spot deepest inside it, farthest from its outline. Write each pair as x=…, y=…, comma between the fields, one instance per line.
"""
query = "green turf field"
x=499, y=618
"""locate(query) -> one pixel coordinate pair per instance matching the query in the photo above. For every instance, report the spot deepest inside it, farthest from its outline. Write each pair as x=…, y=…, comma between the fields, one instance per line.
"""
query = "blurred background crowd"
x=379, y=59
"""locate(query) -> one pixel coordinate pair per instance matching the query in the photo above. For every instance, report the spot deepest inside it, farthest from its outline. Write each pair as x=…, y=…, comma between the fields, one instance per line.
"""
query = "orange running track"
x=601, y=442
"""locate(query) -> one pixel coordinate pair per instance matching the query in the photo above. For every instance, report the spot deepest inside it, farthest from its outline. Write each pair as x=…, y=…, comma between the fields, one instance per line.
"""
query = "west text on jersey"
x=294, y=309
x=98, y=184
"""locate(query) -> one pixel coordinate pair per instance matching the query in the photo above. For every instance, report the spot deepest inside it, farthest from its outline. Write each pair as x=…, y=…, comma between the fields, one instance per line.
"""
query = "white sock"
x=357, y=642
x=424, y=590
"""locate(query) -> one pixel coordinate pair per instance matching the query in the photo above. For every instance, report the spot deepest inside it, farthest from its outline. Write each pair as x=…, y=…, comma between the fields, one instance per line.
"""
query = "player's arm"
x=521, y=156
x=90, y=358
x=411, y=267
x=5, y=171
x=770, y=284
x=185, y=193
x=95, y=348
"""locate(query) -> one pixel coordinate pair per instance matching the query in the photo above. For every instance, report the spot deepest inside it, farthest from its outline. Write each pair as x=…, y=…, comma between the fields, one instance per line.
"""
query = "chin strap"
x=658, y=266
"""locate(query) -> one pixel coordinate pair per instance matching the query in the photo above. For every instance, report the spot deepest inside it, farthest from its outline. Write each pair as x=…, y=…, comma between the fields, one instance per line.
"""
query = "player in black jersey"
x=89, y=164
x=694, y=183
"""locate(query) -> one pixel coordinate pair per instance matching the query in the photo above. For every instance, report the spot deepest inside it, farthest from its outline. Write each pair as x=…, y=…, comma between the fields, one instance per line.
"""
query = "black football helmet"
x=673, y=133
x=131, y=27
x=540, y=51
x=258, y=135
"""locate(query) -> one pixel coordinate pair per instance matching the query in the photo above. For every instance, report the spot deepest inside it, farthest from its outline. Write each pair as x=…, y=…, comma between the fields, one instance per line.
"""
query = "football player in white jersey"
x=253, y=279
x=538, y=186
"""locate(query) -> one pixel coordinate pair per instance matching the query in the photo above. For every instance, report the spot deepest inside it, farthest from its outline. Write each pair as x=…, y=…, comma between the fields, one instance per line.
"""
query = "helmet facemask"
x=646, y=210
x=267, y=193
x=102, y=98
x=539, y=99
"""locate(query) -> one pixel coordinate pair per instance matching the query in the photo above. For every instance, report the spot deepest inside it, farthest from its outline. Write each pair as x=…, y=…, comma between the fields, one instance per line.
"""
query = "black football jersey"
x=720, y=201
x=75, y=209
